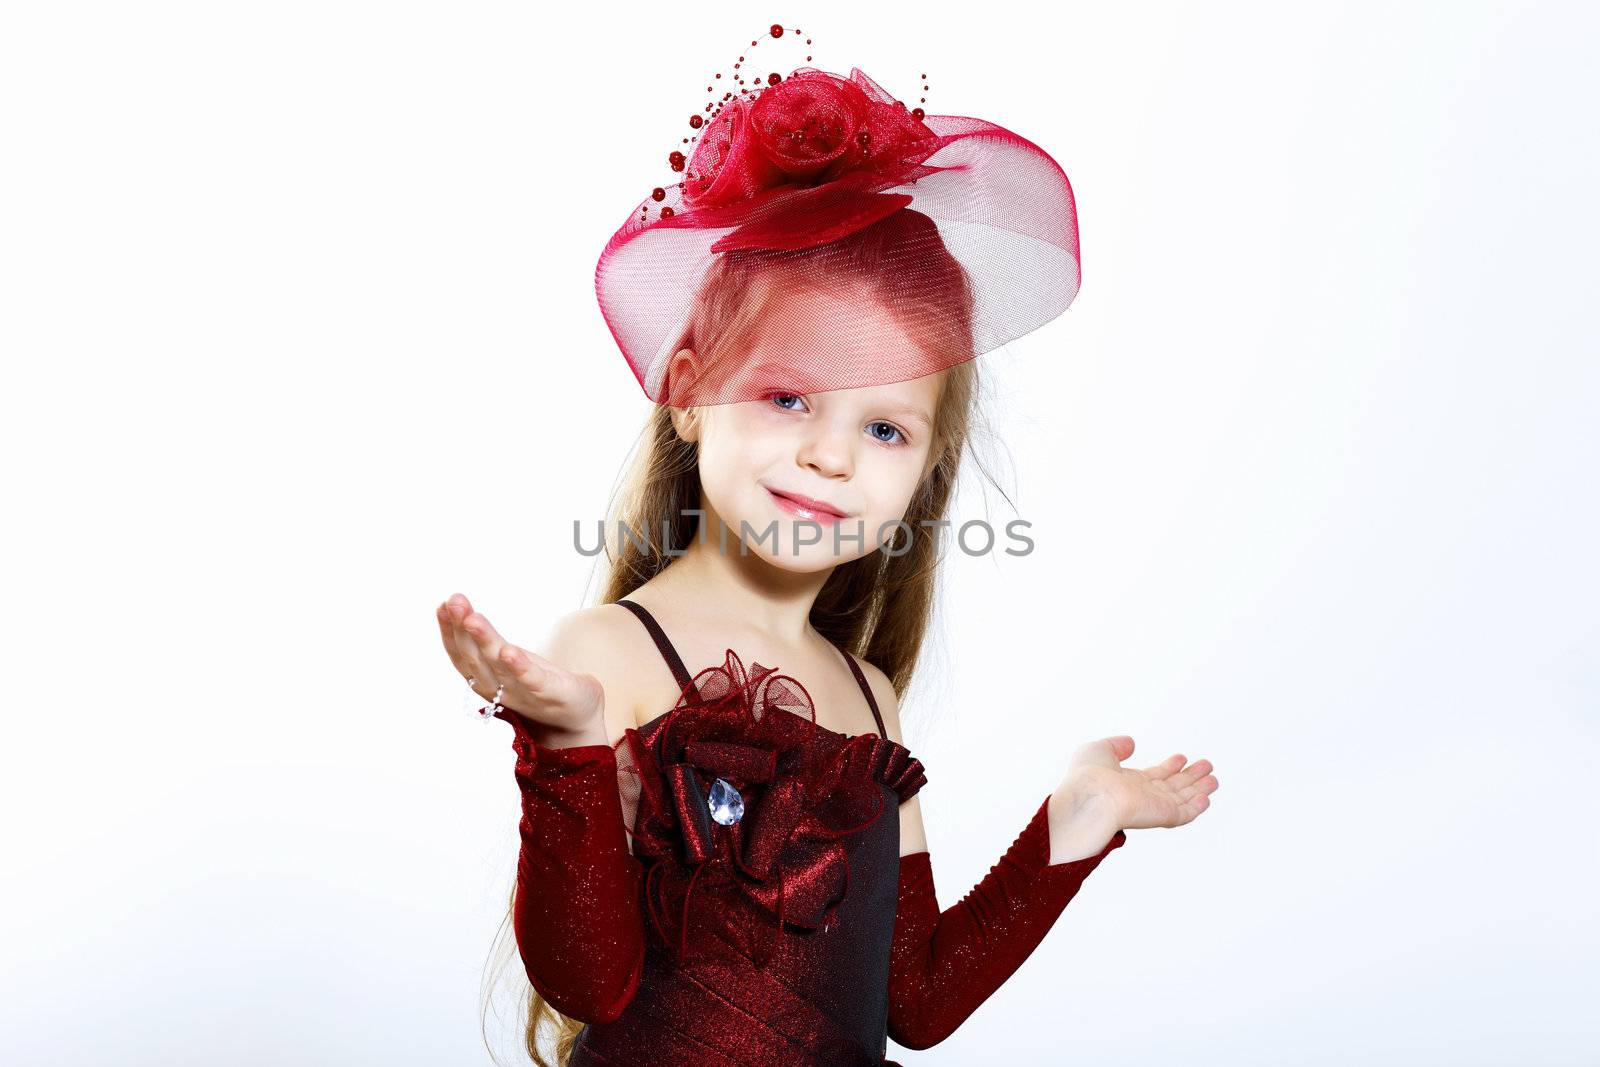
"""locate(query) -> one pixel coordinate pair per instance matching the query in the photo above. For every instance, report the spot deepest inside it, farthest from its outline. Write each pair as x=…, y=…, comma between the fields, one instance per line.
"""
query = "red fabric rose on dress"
x=815, y=148
x=803, y=789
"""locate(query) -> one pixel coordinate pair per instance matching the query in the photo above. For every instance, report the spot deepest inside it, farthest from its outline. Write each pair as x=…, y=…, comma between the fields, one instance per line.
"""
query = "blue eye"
x=889, y=434
x=895, y=430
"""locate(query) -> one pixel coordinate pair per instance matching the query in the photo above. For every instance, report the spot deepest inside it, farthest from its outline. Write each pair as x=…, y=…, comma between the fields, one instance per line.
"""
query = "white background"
x=300, y=337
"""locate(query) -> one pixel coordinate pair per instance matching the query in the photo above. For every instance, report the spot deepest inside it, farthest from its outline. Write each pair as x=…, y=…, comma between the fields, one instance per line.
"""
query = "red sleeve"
x=577, y=914
x=944, y=965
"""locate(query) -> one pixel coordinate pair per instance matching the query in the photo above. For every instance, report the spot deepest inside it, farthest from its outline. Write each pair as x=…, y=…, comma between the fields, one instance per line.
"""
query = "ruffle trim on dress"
x=738, y=786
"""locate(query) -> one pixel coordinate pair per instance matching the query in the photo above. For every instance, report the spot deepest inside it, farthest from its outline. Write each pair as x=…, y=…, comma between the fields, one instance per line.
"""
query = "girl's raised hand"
x=1167, y=794
x=568, y=707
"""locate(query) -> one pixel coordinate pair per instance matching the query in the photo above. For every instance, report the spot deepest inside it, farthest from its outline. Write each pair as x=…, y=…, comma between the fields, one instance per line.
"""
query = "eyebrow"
x=914, y=412
x=784, y=373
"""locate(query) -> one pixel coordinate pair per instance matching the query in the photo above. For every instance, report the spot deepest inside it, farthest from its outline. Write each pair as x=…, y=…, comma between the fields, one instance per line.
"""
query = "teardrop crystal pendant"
x=727, y=806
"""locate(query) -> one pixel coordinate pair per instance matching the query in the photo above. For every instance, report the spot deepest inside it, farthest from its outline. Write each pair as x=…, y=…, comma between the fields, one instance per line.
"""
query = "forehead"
x=845, y=315
x=817, y=338
x=913, y=398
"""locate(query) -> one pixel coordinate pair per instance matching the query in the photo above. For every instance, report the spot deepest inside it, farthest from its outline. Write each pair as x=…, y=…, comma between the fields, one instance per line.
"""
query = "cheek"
x=892, y=484
x=731, y=463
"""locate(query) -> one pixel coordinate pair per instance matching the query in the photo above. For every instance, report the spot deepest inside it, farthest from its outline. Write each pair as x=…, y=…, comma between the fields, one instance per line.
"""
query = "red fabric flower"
x=803, y=788
x=816, y=145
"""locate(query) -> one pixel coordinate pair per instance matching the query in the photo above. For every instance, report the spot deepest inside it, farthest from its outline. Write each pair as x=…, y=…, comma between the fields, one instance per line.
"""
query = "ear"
x=684, y=367
x=687, y=422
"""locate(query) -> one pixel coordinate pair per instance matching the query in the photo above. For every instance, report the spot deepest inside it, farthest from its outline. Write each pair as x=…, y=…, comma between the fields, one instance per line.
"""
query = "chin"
x=784, y=552
x=809, y=560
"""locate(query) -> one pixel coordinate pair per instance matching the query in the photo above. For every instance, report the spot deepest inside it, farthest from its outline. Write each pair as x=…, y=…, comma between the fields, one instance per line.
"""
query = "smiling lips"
x=806, y=507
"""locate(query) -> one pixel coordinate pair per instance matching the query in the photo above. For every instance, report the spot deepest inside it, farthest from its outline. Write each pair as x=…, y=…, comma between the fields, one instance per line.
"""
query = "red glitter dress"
x=764, y=915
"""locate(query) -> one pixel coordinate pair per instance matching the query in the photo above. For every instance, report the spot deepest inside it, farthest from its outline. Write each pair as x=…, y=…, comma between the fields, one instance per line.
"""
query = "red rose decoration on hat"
x=815, y=147
x=813, y=128
x=740, y=790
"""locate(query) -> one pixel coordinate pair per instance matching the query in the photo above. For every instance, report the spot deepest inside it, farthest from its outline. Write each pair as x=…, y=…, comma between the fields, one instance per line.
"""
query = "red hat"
x=956, y=233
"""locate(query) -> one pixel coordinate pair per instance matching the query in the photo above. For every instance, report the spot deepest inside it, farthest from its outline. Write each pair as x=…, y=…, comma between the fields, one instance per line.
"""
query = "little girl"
x=727, y=865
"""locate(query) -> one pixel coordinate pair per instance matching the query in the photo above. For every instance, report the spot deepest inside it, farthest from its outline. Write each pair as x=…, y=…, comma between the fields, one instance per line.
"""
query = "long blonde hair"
x=879, y=606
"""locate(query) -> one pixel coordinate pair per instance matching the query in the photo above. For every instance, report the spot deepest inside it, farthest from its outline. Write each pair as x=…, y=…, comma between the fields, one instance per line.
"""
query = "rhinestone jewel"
x=727, y=806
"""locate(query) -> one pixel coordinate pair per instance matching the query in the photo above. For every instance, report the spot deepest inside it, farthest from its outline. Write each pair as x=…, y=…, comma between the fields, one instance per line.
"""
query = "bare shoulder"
x=888, y=700
x=604, y=640
x=913, y=834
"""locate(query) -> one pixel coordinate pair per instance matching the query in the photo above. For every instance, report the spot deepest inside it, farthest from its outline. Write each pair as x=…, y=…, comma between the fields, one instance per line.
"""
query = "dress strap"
x=668, y=653
x=685, y=679
x=866, y=690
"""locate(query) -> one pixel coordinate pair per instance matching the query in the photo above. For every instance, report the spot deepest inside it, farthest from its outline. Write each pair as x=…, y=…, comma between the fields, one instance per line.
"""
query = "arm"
x=943, y=965
x=576, y=911
x=576, y=915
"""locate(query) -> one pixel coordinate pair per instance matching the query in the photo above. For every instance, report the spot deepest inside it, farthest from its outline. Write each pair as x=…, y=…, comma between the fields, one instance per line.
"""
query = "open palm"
x=1167, y=794
x=563, y=702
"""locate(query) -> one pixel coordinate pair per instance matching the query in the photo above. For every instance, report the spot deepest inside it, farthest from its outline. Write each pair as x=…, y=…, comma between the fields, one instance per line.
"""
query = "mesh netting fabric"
x=922, y=240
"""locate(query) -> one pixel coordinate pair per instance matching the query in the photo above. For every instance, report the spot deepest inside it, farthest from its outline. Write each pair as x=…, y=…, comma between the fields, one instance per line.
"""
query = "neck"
x=768, y=599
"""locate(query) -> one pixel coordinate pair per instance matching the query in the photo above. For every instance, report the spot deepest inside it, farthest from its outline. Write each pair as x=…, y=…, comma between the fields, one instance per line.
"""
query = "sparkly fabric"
x=796, y=935
x=807, y=792
x=945, y=964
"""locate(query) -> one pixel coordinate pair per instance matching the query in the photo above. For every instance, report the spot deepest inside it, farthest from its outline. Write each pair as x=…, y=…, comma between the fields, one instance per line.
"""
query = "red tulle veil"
x=818, y=191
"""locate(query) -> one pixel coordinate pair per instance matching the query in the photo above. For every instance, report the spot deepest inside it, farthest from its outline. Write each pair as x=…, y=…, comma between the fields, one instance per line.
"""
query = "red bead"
x=695, y=121
x=658, y=193
x=774, y=78
x=667, y=213
x=917, y=113
x=776, y=31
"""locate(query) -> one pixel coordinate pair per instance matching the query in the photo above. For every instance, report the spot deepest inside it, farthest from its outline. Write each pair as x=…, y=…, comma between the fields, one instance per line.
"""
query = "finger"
x=1204, y=787
x=455, y=608
x=459, y=606
x=1189, y=810
x=463, y=656
x=1105, y=752
x=1190, y=774
x=447, y=633
x=479, y=640
x=1165, y=769
x=532, y=672
x=467, y=655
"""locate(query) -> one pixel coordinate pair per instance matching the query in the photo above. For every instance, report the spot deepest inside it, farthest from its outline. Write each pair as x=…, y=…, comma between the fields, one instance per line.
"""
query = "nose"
x=828, y=449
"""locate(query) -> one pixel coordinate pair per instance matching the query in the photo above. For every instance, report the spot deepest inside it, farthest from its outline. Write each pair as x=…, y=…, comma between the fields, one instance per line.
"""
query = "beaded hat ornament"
x=818, y=186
